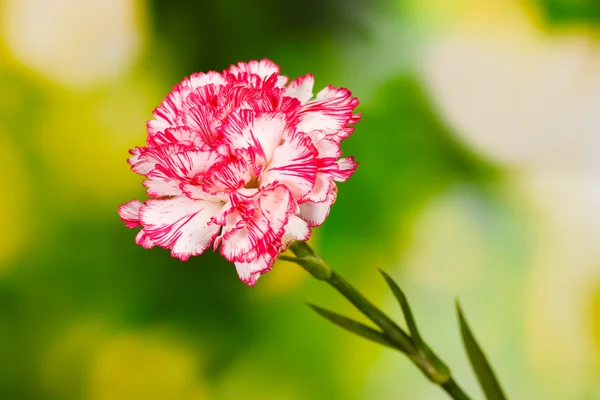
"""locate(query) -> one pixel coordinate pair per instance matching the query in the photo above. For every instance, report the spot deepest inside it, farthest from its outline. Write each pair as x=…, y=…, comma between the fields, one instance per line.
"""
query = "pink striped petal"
x=203, y=122
x=180, y=224
x=250, y=272
x=321, y=190
x=128, y=213
x=179, y=135
x=301, y=88
x=316, y=213
x=142, y=239
x=165, y=115
x=346, y=167
x=176, y=169
x=227, y=176
x=145, y=159
x=330, y=112
x=294, y=164
x=263, y=68
x=259, y=133
x=256, y=225
x=200, y=79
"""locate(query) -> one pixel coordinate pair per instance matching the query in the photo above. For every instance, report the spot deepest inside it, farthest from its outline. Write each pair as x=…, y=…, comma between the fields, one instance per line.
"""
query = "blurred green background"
x=479, y=179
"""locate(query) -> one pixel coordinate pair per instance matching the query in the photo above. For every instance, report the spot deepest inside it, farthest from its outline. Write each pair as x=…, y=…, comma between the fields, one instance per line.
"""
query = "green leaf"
x=480, y=365
x=353, y=326
x=408, y=316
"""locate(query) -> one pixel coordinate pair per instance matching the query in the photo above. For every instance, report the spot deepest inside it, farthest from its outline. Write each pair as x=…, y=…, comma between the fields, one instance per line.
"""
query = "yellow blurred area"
x=102, y=363
x=475, y=14
x=140, y=366
x=83, y=140
x=14, y=205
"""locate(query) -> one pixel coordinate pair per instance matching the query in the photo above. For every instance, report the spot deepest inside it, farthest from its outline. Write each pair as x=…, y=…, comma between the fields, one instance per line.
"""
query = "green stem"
x=454, y=391
x=388, y=326
x=427, y=361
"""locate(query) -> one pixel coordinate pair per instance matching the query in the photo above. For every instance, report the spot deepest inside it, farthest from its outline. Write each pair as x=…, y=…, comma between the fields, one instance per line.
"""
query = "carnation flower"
x=242, y=161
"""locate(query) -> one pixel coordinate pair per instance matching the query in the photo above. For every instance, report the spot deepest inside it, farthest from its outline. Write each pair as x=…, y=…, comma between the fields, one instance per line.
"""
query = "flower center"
x=253, y=183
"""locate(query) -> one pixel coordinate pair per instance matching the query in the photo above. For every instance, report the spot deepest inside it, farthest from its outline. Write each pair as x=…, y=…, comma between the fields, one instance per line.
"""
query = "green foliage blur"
x=87, y=314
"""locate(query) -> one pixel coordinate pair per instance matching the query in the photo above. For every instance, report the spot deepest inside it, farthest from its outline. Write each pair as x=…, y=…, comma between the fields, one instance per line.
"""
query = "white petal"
x=180, y=224
x=321, y=189
x=295, y=229
x=165, y=115
x=202, y=79
x=294, y=164
x=227, y=176
x=346, y=167
x=129, y=213
x=330, y=112
x=173, y=170
x=316, y=213
x=259, y=133
x=250, y=272
x=263, y=68
x=301, y=88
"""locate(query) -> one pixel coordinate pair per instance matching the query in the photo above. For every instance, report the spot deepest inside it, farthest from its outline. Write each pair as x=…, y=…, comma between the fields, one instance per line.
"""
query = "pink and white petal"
x=180, y=224
x=161, y=182
x=275, y=203
x=259, y=133
x=291, y=107
x=316, y=213
x=346, y=167
x=263, y=68
x=202, y=79
x=202, y=121
x=330, y=112
x=281, y=81
x=250, y=272
x=265, y=100
x=128, y=213
x=321, y=190
x=255, y=228
x=333, y=125
x=135, y=156
x=189, y=164
x=146, y=159
x=247, y=240
x=301, y=88
x=294, y=164
x=207, y=96
x=227, y=176
x=176, y=169
x=165, y=115
x=143, y=240
x=295, y=229
x=179, y=134
x=196, y=192
x=325, y=145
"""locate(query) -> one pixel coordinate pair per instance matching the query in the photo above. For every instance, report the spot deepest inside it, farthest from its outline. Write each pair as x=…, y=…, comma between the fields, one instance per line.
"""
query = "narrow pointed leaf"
x=353, y=326
x=408, y=316
x=483, y=370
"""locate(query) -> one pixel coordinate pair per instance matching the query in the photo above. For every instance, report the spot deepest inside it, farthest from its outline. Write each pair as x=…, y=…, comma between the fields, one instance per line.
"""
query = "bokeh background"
x=479, y=179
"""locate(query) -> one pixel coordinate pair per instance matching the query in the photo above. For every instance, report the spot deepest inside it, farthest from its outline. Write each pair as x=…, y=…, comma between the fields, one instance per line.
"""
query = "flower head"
x=243, y=161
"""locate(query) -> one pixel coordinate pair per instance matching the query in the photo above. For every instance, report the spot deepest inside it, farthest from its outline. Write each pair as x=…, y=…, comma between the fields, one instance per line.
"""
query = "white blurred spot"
x=76, y=43
x=521, y=98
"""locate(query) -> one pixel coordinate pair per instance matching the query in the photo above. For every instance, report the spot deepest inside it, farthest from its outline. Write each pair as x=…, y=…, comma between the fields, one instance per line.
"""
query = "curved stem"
x=422, y=356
